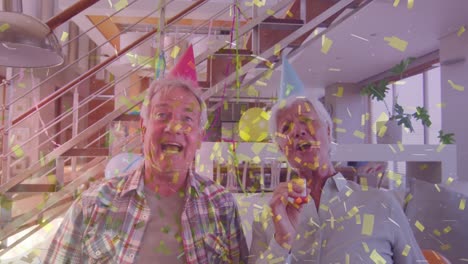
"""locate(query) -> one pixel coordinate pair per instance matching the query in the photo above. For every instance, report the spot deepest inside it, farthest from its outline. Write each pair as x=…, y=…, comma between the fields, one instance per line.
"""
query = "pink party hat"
x=185, y=67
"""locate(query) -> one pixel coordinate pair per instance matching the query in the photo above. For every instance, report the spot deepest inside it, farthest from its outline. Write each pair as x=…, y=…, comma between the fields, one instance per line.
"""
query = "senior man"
x=162, y=212
x=343, y=222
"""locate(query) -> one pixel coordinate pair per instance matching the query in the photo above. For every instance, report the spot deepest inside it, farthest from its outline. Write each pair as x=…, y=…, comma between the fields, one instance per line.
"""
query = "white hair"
x=285, y=103
x=165, y=86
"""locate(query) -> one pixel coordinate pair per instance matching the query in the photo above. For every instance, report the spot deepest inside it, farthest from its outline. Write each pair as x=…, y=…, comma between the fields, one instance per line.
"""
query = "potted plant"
x=397, y=115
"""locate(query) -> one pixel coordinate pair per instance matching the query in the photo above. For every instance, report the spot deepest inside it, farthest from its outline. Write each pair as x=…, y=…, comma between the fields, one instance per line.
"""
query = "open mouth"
x=171, y=148
x=306, y=145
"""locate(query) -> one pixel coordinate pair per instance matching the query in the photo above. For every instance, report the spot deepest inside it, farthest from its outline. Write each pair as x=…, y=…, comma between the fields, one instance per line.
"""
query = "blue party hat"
x=291, y=84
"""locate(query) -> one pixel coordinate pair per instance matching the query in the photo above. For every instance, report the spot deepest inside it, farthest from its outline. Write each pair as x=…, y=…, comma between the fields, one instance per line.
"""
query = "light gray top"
x=352, y=225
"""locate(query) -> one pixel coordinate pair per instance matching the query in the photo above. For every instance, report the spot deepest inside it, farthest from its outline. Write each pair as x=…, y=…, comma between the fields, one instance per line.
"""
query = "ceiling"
x=359, y=48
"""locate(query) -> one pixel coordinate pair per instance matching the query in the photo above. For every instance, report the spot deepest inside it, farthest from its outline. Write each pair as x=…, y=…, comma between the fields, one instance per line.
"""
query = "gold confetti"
x=353, y=211
x=449, y=180
x=340, y=130
x=120, y=5
x=410, y=4
x=419, y=226
x=277, y=49
x=396, y=43
x=326, y=44
x=359, y=134
x=4, y=27
x=363, y=183
x=64, y=36
x=340, y=91
x=447, y=229
x=358, y=219
x=175, y=52
x=365, y=246
x=324, y=207
x=460, y=31
x=377, y=258
x=406, y=250
x=18, y=151
x=400, y=146
x=395, y=3
x=337, y=121
x=436, y=232
x=270, y=12
x=440, y=147
x=462, y=204
x=456, y=86
x=289, y=14
x=382, y=131
x=368, y=225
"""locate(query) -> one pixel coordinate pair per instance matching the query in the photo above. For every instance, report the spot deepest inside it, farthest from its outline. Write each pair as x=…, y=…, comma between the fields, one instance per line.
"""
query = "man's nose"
x=173, y=126
x=299, y=131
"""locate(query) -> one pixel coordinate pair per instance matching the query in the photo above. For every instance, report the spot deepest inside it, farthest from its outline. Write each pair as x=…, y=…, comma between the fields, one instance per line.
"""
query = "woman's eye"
x=285, y=128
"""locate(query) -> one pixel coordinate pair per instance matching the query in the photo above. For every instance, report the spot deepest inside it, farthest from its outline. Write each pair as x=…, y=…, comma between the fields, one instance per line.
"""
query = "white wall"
x=454, y=114
x=348, y=107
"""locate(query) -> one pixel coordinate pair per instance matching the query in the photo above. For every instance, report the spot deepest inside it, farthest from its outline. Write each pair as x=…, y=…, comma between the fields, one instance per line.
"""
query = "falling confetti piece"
x=456, y=86
x=368, y=225
x=270, y=12
x=277, y=49
x=340, y=91
x=289, y=14
x=175, y=52
x=340, y=130
x=18, y=151
x=419, y=226
x=120, y=5
x=359, y=134
x=326, y=44
x=365, y=246
x=406, y=250
x=400, y=146
x=462, y=204
x=4, y=27
x=449, y=180
x=337, y=121
x=396, y=43
x=440, y=147
x=396, y=3
x=377, y=258
x=64, y=36
x=410, y=4
x=461, y=31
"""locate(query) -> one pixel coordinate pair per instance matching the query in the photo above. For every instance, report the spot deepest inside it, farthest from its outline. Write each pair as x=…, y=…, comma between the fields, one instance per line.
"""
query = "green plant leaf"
x=401, y=67
x=421, y=114
x=398, y=109
x=446, y=138
x=406, y=121
x=376, y=91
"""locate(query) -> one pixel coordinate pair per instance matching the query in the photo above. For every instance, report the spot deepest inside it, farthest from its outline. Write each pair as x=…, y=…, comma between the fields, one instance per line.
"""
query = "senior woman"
x=343, y=222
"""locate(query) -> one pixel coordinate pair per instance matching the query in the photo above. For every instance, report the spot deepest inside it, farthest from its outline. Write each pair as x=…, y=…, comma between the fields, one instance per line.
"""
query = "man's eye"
x=285, y=128
x=160, y=116
x=188, y=119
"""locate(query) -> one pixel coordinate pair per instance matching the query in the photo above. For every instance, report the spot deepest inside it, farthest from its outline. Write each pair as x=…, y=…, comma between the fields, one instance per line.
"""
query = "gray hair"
x=165, y=86
x=284, y=103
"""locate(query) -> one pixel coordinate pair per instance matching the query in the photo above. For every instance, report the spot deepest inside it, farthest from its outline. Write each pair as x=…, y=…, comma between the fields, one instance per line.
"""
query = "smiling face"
x=302, y=136
x=172, y=134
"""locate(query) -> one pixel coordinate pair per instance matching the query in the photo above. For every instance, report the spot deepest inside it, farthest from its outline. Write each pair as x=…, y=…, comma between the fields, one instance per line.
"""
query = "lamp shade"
x=26, y=42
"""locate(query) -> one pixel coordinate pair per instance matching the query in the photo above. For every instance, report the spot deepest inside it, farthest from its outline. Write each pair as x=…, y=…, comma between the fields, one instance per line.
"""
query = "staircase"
x=68, y=152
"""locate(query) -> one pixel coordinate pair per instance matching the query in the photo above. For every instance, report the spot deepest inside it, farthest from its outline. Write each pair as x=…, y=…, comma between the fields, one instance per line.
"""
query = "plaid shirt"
x=107, y=223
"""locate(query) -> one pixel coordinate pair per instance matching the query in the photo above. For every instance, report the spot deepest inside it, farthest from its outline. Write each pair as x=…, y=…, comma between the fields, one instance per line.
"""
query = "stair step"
x=281, y=23
x=89, y=152
x=36, y=188
x=127, y=117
